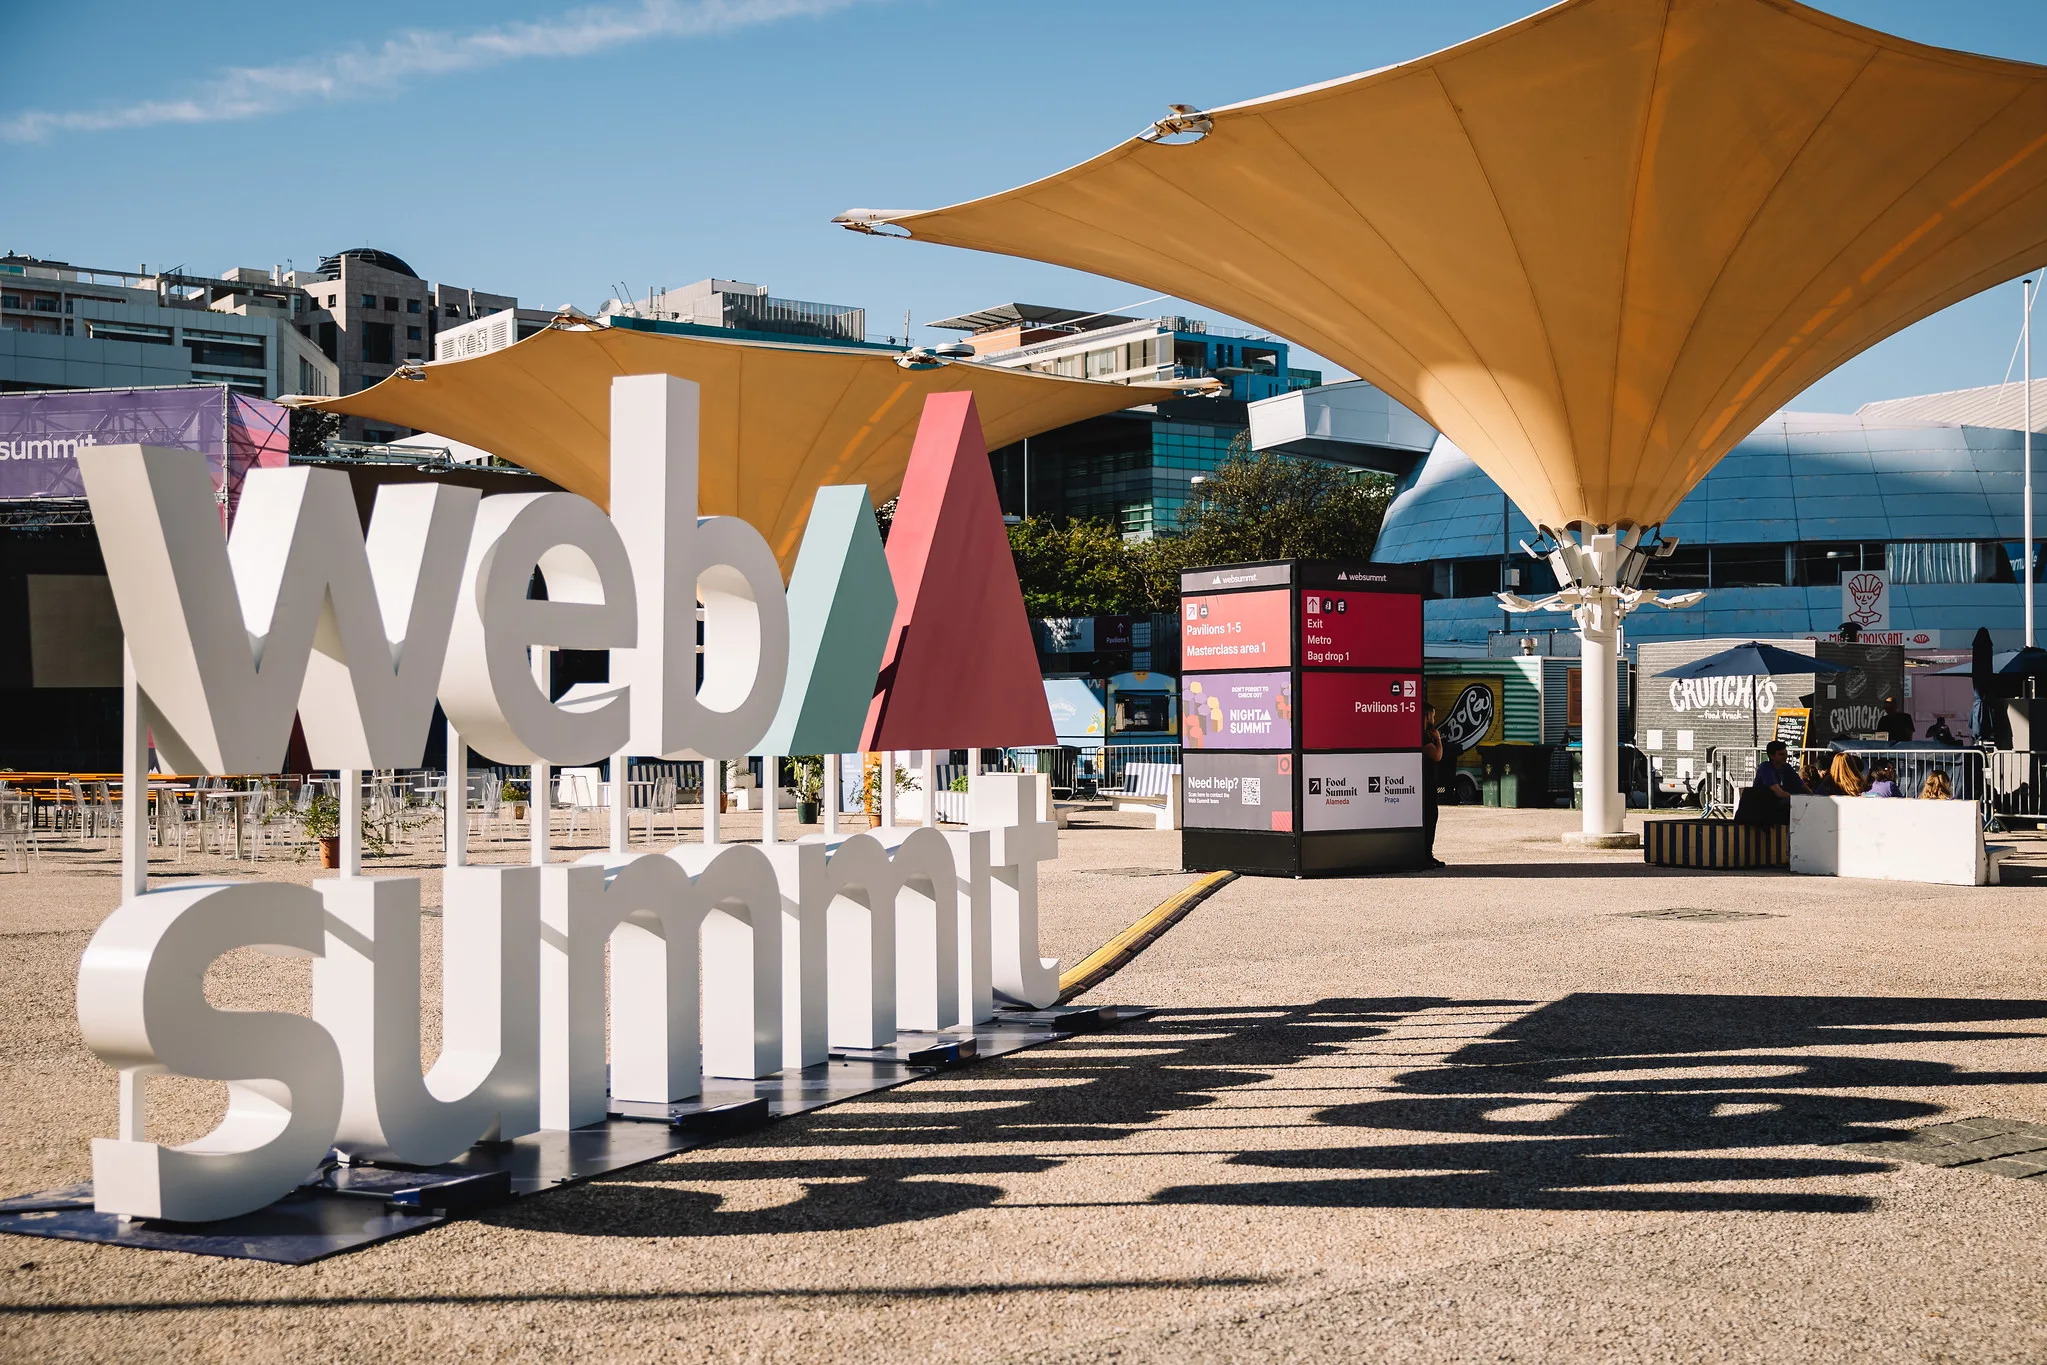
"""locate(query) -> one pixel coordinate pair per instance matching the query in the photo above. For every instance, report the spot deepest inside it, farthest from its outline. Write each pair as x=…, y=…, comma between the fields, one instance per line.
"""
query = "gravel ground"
x=1481, y=1113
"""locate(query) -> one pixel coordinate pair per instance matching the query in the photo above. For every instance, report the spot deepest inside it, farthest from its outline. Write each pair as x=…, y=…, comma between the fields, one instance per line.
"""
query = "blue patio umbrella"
x=1753, y=660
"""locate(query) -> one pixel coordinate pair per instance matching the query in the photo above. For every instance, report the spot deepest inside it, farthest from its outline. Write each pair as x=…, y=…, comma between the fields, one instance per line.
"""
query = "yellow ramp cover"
x=777, y=421
x=1596, y=247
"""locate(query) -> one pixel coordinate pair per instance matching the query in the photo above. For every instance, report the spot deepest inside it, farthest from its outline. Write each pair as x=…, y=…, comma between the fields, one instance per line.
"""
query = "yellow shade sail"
x=776, y=422
x=1595, y=248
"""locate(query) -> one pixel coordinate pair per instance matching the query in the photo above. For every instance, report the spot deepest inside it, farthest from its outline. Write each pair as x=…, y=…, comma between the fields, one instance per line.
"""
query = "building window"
x=1748, y=566
x=246, y=354
x=412, y=334
x=1687, y=567
x=377, y=343
x=1821, y=563
x=412, y=305
x=452, y=311
x=1963, y=561
x=390, y=304
x=1474, y=577
x=369, y=300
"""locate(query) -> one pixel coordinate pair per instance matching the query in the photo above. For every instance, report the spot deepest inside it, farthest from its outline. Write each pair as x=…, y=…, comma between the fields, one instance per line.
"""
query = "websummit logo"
x=719, y=957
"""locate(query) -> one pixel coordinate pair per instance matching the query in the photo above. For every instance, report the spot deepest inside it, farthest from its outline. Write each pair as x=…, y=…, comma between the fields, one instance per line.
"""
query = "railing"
x=2009, y=783
x=1115, y=758
x=1087, y=773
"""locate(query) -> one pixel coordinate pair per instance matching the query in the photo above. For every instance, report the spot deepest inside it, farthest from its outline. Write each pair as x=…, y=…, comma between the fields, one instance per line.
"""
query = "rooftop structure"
x=1119, y=349
x=1993, y=405
x=74, y=327
x=491, y=332
x=734, y=305
x=1355, y=424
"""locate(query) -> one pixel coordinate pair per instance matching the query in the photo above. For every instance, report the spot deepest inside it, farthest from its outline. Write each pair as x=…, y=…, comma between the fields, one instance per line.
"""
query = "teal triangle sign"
x=842, y=603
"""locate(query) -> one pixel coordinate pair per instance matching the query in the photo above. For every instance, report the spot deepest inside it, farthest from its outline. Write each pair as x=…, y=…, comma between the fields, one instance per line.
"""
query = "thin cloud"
x=248, y=91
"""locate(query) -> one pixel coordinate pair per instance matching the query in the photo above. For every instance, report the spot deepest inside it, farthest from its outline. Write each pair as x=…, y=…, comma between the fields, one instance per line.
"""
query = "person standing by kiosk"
x=1432, y=776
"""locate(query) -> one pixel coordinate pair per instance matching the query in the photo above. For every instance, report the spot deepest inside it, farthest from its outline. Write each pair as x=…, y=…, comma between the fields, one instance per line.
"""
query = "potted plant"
x=806, y=773
x=319, y=820
x=512, y=796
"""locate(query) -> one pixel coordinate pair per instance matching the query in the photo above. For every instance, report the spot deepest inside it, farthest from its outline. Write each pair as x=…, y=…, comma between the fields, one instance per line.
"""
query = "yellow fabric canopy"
x=1595, y=248
x=777, y=421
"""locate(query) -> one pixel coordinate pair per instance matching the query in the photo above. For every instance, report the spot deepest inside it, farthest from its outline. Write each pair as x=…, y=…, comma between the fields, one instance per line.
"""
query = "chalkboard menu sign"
x=1792, y=723
x=1301, y=699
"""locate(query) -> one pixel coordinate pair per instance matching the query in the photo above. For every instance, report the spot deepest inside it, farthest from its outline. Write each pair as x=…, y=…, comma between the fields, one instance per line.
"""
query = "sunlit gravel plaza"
x=1492, y=1112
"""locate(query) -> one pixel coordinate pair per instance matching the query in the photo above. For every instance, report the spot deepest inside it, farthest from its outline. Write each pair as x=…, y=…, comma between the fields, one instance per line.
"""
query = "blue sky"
x=554, y=151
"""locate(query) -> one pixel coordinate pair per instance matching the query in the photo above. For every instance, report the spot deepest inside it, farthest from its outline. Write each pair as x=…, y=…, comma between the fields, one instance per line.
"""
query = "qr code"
x=1251, y=789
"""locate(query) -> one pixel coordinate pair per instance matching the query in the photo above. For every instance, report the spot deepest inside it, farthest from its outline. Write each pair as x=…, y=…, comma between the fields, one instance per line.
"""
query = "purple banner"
x=42, y=433
x=1237, y=711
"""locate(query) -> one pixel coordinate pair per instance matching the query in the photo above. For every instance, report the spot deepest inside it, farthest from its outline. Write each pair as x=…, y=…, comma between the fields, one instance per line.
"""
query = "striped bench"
x=1714, y=844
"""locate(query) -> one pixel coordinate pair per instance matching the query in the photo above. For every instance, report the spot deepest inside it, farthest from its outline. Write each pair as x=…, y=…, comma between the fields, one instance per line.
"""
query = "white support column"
x=714, y=796
x=2026, y=388
x=134, y=1103
x=771, y=799
x=1602, y=716
x=621, y=804
x=830, y=794
x=931, y=788
x=134, y=794
x=887, y=788
x=351, y=822
x=540, y=776
x=455, y=806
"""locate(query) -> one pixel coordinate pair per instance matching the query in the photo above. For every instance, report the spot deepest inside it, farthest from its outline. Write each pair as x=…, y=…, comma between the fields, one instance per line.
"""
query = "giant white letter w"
x=296, y=611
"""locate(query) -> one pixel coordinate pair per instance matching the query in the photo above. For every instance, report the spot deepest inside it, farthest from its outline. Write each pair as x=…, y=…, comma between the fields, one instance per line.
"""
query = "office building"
x=371, y=313
x=1136, y=468
x=74, y=327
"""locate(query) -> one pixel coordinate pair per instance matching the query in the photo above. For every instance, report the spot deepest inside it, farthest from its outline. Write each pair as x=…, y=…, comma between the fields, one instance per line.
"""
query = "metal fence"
x=2007, y=782
x=1087, y=772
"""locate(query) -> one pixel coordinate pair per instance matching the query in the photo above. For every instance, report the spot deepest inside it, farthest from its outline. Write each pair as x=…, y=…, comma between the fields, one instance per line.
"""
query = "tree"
x=1266, y=506
x=1078, y=568
x=311, y=429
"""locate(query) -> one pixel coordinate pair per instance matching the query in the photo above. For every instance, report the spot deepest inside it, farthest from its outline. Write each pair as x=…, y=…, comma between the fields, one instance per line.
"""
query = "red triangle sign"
x=960, y=670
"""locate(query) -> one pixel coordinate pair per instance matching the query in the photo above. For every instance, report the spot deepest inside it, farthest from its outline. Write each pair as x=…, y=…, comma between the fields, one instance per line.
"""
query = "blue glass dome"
x=1768, y=532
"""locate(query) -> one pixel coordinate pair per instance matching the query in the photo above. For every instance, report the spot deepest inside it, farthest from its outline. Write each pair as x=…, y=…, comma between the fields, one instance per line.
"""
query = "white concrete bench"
x=1891, y=839
x=1152, y=788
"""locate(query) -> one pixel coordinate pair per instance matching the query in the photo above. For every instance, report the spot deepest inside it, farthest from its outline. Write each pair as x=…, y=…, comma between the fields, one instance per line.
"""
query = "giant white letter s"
x=142, y=1008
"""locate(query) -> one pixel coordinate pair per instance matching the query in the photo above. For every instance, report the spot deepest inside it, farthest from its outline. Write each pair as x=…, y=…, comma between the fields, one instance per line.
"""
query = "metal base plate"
x=307, y=1225
x=360, y=1205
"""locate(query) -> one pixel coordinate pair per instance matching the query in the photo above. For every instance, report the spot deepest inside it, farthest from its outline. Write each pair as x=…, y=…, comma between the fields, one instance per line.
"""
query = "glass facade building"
x=1135, y=469
x=1769, y=532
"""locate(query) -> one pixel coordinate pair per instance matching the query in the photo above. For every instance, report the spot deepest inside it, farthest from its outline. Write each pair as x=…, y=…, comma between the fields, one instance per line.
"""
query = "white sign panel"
x=1361, y=791
x=1866, y=599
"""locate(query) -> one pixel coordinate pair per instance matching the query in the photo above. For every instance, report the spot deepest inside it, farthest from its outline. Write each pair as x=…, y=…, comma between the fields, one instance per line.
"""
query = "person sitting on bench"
x=1778, y=777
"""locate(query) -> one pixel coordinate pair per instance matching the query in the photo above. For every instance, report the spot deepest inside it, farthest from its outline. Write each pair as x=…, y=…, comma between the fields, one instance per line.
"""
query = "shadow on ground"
x=1592, y=1102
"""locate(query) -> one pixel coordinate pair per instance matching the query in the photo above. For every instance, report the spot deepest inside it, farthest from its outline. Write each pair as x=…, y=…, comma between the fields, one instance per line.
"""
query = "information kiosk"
x=1301, y=717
